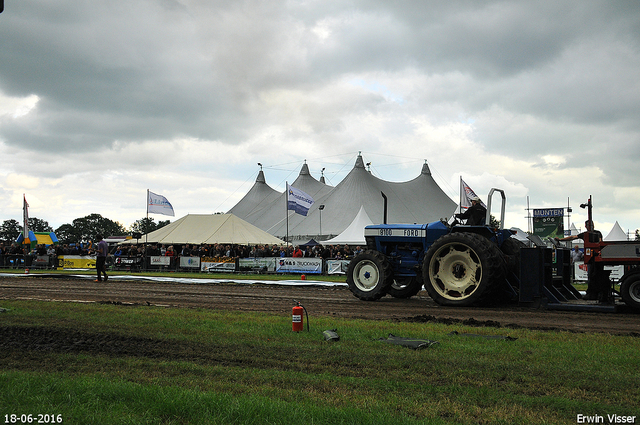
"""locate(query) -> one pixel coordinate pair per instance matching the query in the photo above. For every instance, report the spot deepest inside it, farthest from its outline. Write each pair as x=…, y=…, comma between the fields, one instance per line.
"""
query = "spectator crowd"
x=16, y=255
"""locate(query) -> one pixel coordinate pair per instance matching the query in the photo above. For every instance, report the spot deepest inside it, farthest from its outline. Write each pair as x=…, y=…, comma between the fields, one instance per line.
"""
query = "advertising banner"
x=127, y=262
x=76, y=262
x=190, y=262
x=299, y=265
x=159, y=260
x=337, y=266
x=616, y=272
x=41, y=261
x=580, y=272
x=218, y=264
x=258, y=263
x=548, y=222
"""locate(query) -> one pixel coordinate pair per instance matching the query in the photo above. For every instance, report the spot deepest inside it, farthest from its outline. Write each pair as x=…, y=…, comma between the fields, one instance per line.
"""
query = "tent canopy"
x=616, y=234
x=420, y=200
x=354, y=233
x=209, y=229
x=312, y=242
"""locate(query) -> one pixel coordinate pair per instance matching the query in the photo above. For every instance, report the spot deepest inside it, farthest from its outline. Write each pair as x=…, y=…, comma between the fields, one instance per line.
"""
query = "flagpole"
x=460, y=196
x=24, y=216
x=145, y=235
x=25, y=220
x=286, y=209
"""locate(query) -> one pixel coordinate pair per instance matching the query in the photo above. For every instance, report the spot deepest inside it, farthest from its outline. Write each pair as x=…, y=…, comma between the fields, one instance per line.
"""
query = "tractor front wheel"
x=369, y=275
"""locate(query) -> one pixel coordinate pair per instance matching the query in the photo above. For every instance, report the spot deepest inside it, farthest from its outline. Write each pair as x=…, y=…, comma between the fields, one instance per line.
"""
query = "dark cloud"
x=550, y=87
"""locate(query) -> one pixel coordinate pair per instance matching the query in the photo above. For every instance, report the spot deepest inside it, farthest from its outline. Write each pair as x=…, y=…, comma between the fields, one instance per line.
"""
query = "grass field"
x=110, y=364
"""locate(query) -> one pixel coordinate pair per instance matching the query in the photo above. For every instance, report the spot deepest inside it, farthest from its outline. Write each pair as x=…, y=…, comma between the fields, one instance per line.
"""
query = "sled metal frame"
x=545, y=283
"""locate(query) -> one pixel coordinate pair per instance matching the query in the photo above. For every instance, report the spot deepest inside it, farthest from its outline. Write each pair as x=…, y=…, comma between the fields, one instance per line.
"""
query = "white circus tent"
x=200, y=229
x=420, y=200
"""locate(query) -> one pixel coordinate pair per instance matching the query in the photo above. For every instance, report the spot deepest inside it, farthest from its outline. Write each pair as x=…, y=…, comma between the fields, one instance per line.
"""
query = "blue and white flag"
x=158, y=204
x=298, y=201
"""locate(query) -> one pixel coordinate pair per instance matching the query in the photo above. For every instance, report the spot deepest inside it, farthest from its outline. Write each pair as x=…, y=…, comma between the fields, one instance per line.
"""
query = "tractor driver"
x=475, y=214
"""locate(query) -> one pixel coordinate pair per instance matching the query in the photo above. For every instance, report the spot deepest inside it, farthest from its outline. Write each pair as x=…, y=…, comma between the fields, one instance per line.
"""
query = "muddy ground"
x=336, y=301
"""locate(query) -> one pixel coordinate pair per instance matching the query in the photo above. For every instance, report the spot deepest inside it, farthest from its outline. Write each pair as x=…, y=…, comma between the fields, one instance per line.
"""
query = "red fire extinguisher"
x=298, y=320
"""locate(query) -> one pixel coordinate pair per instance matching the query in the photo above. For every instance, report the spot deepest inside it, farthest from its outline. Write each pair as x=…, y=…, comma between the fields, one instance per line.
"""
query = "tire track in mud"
x=333, y=301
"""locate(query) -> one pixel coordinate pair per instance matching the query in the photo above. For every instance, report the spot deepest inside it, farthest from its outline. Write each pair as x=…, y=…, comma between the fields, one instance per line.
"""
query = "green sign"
x=549, y=222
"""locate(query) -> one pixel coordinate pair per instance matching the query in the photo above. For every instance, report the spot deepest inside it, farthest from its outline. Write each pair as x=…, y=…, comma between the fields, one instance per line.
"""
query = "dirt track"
x=334, y=301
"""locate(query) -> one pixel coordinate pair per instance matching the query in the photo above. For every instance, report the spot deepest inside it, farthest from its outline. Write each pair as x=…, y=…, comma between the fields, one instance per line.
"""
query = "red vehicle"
x=625, y=253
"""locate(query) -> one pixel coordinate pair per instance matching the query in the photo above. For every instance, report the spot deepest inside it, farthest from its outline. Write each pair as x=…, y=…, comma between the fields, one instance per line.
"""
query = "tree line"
x=81, y=229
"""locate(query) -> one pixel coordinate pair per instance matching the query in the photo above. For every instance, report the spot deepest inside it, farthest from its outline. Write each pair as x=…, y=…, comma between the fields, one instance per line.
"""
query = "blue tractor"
x=458, y=265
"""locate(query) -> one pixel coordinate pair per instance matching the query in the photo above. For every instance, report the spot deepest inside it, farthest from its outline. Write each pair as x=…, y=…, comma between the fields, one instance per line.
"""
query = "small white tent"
x=616, y=234
x=573, y=230
x=209, y=229
x=354, y=233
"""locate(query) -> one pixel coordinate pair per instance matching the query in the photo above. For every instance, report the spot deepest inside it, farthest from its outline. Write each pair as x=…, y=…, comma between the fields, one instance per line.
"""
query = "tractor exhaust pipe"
x=384, y=209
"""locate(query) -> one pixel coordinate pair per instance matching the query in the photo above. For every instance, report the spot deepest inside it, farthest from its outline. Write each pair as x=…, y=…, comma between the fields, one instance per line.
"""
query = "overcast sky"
x=100, y=101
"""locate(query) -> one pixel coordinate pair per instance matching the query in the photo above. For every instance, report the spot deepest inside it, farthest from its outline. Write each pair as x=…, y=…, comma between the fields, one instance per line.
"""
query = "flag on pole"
x=158, y=204
x=298, y=201
x=466, y=194
x=25, y=218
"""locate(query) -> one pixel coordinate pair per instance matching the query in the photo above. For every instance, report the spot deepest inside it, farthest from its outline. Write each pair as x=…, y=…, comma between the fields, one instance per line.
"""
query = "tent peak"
x=425, y=168
x=359, y=162
x=304, y=171
x=616, y=234
x=260, y=178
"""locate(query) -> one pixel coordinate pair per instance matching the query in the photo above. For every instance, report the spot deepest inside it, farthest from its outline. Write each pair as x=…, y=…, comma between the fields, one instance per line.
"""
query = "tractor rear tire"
x=511, y=249
x=630, y=290
x=369, y=275
x=405, y=287
x=462, y=269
